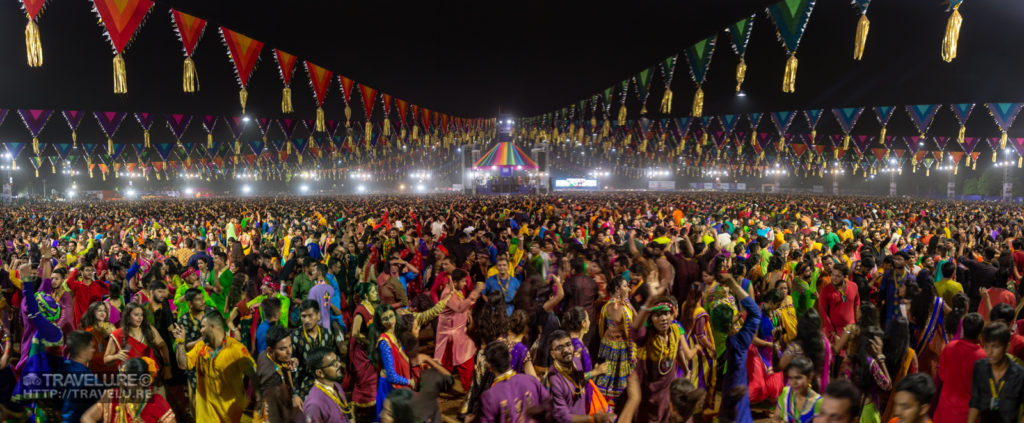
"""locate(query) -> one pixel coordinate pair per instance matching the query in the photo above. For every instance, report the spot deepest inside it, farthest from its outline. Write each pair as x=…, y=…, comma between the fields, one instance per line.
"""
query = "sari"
x=396, y=371
x=154, y=410
x=702, y=365
x=931, y=339
x=907, y=367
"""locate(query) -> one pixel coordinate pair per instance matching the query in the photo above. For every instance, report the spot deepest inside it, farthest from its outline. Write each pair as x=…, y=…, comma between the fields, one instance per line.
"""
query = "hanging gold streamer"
x=863, y=25
x=209, y=141
x=698, y=103
x=789, y=79
x=243, y=96
x=949, y=40
x=1002, y=140
x=704, y=138
x=37, y=172
x=881, y=135
x=415, y=132
x=606, y=127
x=846, y=141
x=928, y=171
x=1020, y=161
x=190, y=83
x=320, y=126
x=286, y=100
x=622, y=114
x=956, y=169
x=960, y=135
x=33, y=47
x=35, y=145
x=974, y=166
x=103, y=174
x=666, y=101
x=348, y=116
x=238, y=148
x=741, y=74
x=995, y=156
x=287, y=146
x=110, y=145
x=53, y=168
x=368, y=130
x=120, y=78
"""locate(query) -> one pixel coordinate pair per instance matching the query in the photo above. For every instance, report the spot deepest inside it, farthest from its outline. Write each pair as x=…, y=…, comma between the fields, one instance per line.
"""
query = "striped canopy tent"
x=505, y=155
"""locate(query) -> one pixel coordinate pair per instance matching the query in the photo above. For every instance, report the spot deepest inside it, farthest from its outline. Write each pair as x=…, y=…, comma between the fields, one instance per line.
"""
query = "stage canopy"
x=505, y=154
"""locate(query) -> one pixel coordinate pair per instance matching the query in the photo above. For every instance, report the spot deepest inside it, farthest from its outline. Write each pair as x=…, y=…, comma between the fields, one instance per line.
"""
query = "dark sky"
x=469, y=58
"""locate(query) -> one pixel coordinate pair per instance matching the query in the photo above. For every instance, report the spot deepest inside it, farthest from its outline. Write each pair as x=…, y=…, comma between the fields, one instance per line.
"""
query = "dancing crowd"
x=625, y=307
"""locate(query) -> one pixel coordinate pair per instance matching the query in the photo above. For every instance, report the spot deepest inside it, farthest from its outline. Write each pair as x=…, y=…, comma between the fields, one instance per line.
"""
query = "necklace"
x=329, y=390
x=794, y=412
x=567, y=374
x=504, y=288
x=503, y=377
x=315, y=336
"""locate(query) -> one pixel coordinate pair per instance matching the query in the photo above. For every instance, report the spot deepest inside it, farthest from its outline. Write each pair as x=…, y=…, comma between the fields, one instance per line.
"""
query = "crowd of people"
x=624, y=307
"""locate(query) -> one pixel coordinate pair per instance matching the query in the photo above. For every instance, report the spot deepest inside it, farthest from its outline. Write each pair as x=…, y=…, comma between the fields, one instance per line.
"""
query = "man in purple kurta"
x=326, y=402
x=512, y=394
x=571, y=394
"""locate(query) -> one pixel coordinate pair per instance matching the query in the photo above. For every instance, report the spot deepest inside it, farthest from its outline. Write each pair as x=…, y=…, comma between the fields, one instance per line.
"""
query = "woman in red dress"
x=135, y=339
x=363, y=376
x=95, y=322
x=134, y=401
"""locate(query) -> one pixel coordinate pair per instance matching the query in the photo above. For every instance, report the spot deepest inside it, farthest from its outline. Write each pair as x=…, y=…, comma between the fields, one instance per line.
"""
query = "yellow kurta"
x=220, y=387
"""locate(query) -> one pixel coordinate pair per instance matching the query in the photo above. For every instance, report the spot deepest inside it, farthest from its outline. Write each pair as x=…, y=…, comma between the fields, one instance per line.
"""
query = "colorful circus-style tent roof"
x=505, y=154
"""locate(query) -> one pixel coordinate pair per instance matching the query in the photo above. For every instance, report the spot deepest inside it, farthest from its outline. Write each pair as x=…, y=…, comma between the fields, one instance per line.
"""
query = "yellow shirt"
x=220, y=391
x=947, y=289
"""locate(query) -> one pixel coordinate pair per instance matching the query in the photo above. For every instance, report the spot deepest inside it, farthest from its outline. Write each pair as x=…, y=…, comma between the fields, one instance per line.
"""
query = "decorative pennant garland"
x=847, y=118
x=189, y=29
x=643, y=82
x=235, y=125
x=145, y=121
x=386, y=98
x=286, y=67
x=962, y=112
x=863, y=25
x=209, y=123
x=668, y=69
x=33, y=46
x=1004, y=114
x=969, y=144
x=369, y=96
x=15, y=148
x=952, y=35
x=699, y=58
x=922, y=115
x=1018, y=144
x=739, y=36
x=178, y=123
x=782, y=122
x=121, y=19
x=883, y=113
x=996, y=145
x=263, y=124
x=320, y=82
x=624, y=87
x=813, y=116
x=245, y=53
x=791, y=18
x=346, y=85
x=73, y=118
x=288, y=128
x=35, y=120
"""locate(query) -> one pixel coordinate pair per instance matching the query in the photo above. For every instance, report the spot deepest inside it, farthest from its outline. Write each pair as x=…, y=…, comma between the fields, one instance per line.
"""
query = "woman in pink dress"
x=454, y=349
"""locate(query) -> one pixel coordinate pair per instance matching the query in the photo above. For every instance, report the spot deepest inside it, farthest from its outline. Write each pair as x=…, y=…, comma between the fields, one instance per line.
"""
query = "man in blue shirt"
x=736, y=347
x=78, y=396
x=271, y=310
x=503, y=282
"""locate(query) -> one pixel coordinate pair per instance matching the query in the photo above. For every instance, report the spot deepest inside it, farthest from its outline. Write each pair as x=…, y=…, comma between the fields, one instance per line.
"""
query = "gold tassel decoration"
x=288, y=147
x=846, y=141
x=286, y=100
x=368, y=130
x=741, y=74
x=120, y=77
x=960, y=135
x=35, y=145
x=1002, y=140
x=320, y=126
x=698, y=103
x=110, y=145
x=863, y=25
x=704, y=138
x=814, y=134
x=209, y=141
x=974, y=166
x=1020, y=162
x=103, y=174
x=789, y=79
x=606, y=128
x=593, y=122
x=949, y=40
x=928, y=171
x=33, y=47
x=145, y=139
x=37, y=172
x=348, y=116
x=158, y=175
x=956, y=169
x=622, y=114
x=415, y=132
x=238, y=147
x=995, y=156
x=53, y=168
x=387, y=127
x=74, y=139
x=243, y=96
x=190, y=81
x=881, y=136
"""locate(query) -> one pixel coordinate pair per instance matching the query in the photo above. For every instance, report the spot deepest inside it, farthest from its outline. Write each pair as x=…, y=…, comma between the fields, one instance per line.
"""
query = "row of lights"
x=652, y=173
x=420, y=174
x=364, y=176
